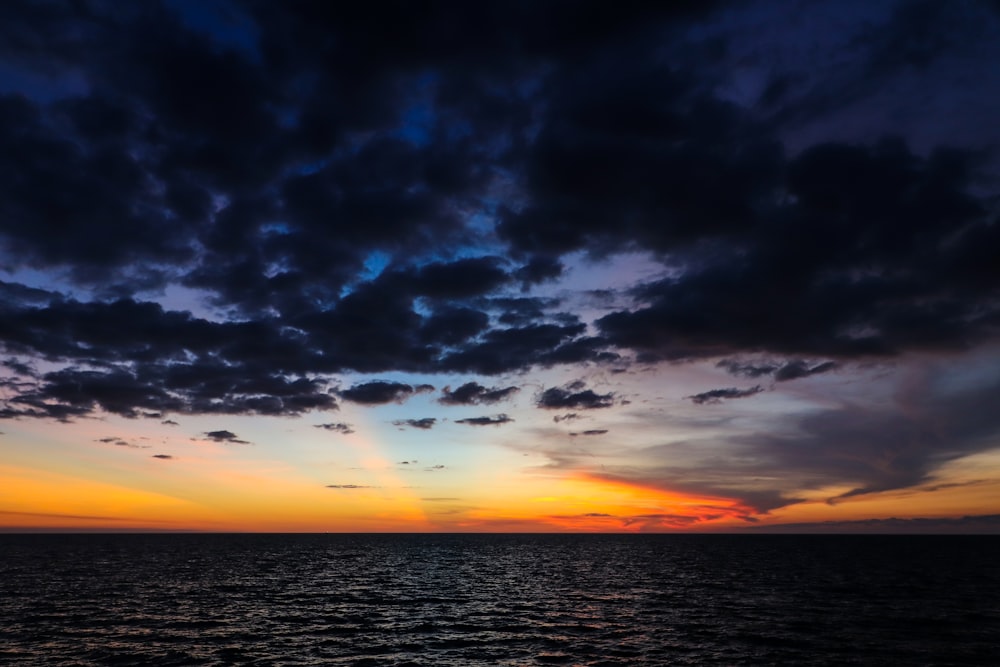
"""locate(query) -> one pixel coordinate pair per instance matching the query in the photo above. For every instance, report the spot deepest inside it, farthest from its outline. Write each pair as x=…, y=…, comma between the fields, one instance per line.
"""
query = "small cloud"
x=718, y=395
x=799, y=369
x=593, y=431
x=118, y=442
x=152, y=415
x=225, y=436
x=473, y=393
x=746, y=369
x=437, y=467
x=574, y=395
x=790, y=370
x=169, y=422
x=567, y=417
x=380, y=392
x=338, y=427
x=406, y=463
x=424, y=423
x=485, y=421
x=440, y=500
x=348, y=486
x=165, y=457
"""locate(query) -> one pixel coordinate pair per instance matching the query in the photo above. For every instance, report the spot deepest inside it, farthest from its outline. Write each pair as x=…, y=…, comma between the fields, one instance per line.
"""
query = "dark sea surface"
x=499, y=600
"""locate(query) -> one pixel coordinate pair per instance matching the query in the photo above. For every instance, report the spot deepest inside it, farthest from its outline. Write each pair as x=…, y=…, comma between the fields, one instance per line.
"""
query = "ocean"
x=255, y=599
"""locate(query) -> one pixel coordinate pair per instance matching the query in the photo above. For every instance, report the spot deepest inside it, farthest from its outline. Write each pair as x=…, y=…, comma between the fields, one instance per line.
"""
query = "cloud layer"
x=309, y=207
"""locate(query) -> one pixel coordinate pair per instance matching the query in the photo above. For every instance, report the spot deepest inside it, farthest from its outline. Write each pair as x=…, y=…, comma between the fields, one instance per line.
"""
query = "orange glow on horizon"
x=583, y=502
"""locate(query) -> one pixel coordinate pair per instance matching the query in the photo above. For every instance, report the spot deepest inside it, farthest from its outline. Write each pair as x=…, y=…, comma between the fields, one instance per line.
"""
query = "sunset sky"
x=500, y=266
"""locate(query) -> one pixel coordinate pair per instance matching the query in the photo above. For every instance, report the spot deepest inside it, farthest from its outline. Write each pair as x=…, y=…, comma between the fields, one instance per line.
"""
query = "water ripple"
x=497, y=600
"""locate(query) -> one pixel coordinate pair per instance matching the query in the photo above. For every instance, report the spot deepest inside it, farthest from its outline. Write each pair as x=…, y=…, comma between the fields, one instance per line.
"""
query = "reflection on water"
x=497, y=600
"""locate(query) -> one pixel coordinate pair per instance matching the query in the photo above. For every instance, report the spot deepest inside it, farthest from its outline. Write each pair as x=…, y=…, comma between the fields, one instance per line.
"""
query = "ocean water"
x=499, y=600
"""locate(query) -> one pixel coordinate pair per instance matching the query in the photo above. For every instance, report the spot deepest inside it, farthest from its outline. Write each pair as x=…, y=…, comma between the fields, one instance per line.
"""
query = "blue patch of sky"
x=42, y=280
x=374, y=264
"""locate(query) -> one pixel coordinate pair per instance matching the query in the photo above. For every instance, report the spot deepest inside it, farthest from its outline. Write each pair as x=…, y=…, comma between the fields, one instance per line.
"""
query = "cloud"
x=865, y=447
x=19, y=367
x=782, y=371
x=593, y=431
x=339, y=427
x=424, y=423
x=473, y=393
x=338, y=196
x=226, y=437
x=169, y=422
x=798, y=368
x=495, y=420
x=118, y=442
x=718, y=395
x=380, y=392
x=573, y=395
x=348, y=486
x=746, y=369
x=821, y=303
x=163, y=456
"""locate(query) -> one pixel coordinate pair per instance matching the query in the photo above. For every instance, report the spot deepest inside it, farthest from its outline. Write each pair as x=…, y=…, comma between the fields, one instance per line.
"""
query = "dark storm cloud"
x=609, y=169
x=356, y=195
x=880, y=448
x=473, y=393
x=453, y=325
x=896, y=446
x=462, y=279
x=424, y=423
x=378, y=392
x=540, y=269
x=518, y=311
x=12, y=293
x=718, y=395
x=225, y=436
x=338, y=427
x=573, y=395
x=841, y=269
x=503, y=350
x=495, y=420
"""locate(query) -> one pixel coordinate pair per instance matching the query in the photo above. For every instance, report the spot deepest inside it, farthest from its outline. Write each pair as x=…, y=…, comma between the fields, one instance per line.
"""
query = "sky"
x=500, y=266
